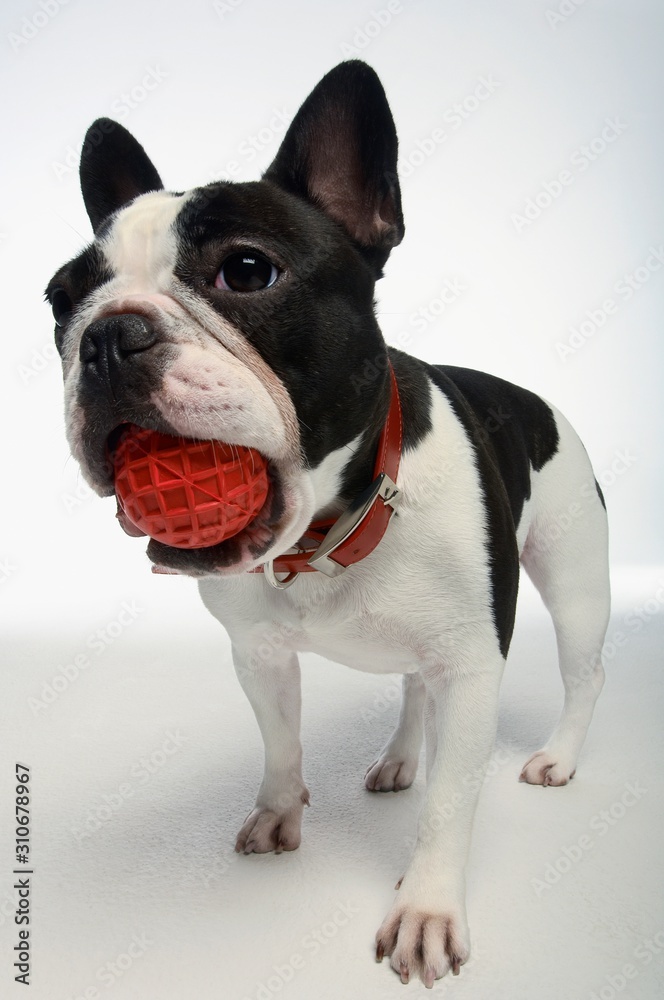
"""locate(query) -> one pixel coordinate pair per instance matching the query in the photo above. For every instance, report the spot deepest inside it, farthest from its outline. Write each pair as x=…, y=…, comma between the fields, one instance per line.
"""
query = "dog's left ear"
x=340, y=153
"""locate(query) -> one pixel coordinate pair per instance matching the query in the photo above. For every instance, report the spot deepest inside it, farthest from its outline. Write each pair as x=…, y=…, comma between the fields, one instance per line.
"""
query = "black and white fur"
x=488, y=471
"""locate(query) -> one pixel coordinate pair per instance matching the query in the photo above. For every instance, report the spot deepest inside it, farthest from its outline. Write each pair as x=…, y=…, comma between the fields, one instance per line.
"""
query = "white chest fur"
x=418, y=592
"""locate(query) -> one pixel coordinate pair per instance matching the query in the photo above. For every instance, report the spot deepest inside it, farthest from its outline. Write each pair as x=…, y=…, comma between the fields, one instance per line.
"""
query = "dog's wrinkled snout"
x=109, y=342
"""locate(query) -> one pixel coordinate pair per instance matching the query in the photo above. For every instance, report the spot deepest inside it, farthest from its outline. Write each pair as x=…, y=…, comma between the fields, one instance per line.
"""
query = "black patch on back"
x=510, y=429
x=516, y=427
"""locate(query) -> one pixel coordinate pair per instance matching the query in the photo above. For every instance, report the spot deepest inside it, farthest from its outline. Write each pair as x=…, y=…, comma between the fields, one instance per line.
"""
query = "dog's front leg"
x=273, y=688
x=426, y=932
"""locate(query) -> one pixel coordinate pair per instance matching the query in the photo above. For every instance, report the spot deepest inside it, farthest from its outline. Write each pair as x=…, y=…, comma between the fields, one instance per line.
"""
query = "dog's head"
x=238, y=312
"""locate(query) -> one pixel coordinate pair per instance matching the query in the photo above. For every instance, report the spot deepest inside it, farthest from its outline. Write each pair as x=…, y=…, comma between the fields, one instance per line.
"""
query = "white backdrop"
x=531, y=160
x=554, y=284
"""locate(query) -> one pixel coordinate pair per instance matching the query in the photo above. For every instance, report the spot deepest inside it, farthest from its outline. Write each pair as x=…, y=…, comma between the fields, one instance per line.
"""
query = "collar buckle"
x=383, y=488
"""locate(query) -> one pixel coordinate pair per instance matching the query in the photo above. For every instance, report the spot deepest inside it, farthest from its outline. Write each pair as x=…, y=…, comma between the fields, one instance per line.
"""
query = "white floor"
x=144, y=765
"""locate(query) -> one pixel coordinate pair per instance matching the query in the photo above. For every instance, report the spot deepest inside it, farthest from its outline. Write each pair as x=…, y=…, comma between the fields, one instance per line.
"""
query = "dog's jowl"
x=402, y=496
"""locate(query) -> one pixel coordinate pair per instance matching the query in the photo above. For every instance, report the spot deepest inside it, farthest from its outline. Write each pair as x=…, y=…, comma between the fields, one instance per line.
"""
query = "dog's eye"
x=246, y=272
x=62, y=306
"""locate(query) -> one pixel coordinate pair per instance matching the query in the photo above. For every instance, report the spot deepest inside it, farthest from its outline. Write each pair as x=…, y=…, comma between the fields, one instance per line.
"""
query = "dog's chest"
x=415, y=595
x=362, y=623
x=349, y=622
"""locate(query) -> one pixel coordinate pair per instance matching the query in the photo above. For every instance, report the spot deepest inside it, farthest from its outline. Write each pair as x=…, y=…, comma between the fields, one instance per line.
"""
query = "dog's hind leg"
x=566, y=557
x=396, y=767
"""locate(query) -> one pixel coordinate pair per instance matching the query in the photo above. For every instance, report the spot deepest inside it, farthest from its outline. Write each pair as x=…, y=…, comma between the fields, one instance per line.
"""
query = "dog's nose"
x=108, y=343
x=118, y=335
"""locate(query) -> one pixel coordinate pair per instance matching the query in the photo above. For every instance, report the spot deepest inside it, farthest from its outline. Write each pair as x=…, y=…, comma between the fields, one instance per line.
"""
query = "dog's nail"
x=380, y=952
x=404, y=972
x=456, y=965
x=429, y=977
x=398, y=885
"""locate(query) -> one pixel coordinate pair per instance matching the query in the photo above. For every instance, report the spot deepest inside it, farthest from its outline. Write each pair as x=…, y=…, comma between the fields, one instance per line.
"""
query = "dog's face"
x=237, y=312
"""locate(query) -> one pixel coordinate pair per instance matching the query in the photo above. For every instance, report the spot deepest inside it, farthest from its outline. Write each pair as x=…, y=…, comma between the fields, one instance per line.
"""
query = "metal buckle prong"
x=382, y=488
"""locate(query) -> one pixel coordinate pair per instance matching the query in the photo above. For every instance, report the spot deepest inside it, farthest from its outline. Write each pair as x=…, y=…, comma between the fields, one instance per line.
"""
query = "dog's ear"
x=114, y=169
x=340, y=153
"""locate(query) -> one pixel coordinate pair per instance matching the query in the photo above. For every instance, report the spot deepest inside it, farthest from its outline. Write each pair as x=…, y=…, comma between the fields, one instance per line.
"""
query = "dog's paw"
x=547, y=768
x=391, y=773
x=277, y=830
x=423, y=944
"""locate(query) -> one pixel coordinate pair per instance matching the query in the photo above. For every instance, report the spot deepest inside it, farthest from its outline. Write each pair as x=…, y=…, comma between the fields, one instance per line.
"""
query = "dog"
x=403, y=497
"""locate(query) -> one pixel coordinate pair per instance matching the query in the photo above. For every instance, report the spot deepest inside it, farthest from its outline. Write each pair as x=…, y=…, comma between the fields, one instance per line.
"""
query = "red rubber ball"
x=186, y=493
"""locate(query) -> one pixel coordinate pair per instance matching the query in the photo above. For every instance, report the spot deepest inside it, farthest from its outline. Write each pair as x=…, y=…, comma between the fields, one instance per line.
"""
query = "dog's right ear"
x=114, y=170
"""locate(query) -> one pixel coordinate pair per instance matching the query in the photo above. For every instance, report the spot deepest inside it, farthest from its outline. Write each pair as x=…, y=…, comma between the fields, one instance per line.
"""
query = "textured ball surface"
x=186, y=493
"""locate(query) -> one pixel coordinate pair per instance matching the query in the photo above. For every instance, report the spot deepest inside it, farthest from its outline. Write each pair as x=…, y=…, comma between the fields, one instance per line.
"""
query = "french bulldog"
x=403, y=497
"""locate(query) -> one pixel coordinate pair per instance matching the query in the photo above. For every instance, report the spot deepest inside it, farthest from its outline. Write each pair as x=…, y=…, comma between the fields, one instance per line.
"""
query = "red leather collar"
x=332, y=545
